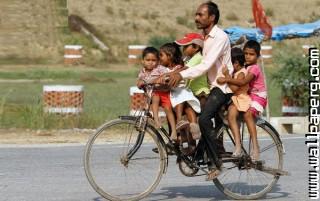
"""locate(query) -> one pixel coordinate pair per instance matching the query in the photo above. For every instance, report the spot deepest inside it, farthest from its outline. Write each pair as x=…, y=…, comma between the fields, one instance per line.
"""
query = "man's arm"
x=216, y=48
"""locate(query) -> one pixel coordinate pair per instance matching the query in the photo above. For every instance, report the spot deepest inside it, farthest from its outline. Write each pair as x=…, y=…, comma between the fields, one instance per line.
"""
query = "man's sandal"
x=212, y=174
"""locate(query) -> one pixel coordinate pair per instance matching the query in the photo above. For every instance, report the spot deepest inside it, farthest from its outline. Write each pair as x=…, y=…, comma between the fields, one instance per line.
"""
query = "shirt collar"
x=212, y=32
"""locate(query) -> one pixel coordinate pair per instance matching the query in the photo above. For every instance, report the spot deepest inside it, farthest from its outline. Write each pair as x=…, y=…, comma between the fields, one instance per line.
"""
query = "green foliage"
x=158, y=41
x=269, y=12
x=22, y=107
x=182, y=20
x=293, y=78
x=232, y=17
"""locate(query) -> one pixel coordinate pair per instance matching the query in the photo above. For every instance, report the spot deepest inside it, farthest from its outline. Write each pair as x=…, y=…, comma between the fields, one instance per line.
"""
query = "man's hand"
x=174, y=79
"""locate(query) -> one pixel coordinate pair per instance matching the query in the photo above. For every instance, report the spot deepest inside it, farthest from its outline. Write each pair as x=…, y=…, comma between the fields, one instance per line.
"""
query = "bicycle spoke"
x=115, y=169
x=251, y=182
x=267, y=148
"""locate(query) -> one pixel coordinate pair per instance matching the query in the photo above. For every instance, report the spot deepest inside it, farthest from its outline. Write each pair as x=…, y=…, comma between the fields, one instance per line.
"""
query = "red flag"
x=261, y=19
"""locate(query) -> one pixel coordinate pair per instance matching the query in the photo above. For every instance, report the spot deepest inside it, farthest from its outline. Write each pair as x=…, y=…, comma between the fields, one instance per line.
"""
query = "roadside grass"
x=106, y=96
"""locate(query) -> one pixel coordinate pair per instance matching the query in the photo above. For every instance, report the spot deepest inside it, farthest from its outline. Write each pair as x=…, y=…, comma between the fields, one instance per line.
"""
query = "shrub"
x=269, y=12
x=293, y=77
x=158, y=41
x=182, y=20
x=109, y=10
x=232, y=17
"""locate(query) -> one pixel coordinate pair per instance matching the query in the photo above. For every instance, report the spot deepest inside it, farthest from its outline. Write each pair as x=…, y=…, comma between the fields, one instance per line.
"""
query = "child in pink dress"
x=257, y=91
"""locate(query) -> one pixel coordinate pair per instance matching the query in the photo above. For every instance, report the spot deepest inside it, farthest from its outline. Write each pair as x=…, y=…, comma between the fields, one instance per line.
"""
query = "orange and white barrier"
x=72, y=54
x=266, y=53
x=134, y=53
x=63, y=98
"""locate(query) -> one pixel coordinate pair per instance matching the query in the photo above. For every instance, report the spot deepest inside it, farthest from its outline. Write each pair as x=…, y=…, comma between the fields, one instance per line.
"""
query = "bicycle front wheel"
x=119, y=161
x=241, y=179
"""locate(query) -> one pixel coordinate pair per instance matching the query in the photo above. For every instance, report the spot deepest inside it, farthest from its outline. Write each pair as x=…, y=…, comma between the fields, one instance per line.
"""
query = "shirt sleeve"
x=141, y=75
x=215, y=50
x=254, y=70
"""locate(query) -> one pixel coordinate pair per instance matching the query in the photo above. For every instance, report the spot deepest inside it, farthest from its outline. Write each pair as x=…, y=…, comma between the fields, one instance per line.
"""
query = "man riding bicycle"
x=216, y=53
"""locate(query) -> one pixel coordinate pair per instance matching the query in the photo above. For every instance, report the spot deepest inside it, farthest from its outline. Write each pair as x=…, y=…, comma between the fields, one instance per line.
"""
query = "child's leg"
x=179, y=110
x=192, y=118
x=233, y=124
x=202, y=97
x=155, y=110
x=250, y=121
x=172, y=122
x=191, y=114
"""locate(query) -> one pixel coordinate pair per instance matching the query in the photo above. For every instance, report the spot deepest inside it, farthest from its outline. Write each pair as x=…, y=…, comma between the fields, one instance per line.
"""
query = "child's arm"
x=222, y=80
x=240, y=82
x=140, y=83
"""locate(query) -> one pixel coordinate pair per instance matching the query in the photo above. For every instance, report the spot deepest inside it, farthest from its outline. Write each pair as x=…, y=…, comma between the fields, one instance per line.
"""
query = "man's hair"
x=237, y=55
x=150, y=50
x=213, y=10
x=173, y=51
x=252, y=44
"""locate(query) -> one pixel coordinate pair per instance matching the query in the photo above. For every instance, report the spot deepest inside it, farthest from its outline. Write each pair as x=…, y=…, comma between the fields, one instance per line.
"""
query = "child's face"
x=189, y=50
x=250, y=55
x=164, y=59
x=236, y=66
x=150, y=61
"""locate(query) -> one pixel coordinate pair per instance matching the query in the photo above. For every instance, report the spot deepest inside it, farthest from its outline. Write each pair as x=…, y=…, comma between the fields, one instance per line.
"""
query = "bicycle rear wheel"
x=242, y=180
x=119, y=162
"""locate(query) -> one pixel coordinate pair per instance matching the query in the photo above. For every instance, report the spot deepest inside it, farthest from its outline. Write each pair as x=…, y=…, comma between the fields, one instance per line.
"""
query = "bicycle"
x=120, y=165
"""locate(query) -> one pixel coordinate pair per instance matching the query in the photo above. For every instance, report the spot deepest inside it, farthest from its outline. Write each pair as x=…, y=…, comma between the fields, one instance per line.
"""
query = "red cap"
x=191, y=38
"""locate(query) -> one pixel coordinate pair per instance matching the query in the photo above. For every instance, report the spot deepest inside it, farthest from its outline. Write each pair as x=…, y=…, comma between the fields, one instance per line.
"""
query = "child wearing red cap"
x=192, y=44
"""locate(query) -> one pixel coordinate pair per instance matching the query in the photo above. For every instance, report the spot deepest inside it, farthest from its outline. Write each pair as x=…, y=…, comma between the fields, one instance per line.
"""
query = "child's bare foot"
x=255, y=155
x=157, y=125
x=237, y=152
x=182, y=124
x=195, y=131
x=174, y=136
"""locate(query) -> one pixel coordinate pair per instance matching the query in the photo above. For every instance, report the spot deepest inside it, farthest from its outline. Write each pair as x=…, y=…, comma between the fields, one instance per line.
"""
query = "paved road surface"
x=55, y=173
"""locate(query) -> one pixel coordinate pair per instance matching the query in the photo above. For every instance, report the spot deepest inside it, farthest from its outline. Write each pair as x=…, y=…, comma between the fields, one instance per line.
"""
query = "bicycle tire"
x=112, y=178
x=239, y=193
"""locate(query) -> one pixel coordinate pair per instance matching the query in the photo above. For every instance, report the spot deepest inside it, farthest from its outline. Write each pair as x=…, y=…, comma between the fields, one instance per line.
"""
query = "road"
x=55, y=173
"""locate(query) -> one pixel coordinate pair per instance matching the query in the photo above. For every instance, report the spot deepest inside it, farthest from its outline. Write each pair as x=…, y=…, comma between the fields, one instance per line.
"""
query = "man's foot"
x=195, y=131
x=212, y=174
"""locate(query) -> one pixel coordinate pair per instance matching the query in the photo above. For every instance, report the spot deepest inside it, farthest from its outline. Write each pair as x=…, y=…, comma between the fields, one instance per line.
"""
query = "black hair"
x=197, y=46
x=213, y=10
x=237, y=55
x=173, y=51
x=150, y=50
x=252, y=44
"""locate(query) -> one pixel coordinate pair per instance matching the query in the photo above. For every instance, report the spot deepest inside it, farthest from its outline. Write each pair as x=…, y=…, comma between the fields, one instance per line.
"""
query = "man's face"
x=202, y=19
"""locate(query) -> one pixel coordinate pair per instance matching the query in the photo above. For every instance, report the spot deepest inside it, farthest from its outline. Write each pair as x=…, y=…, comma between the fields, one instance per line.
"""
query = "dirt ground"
x=21, y=136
